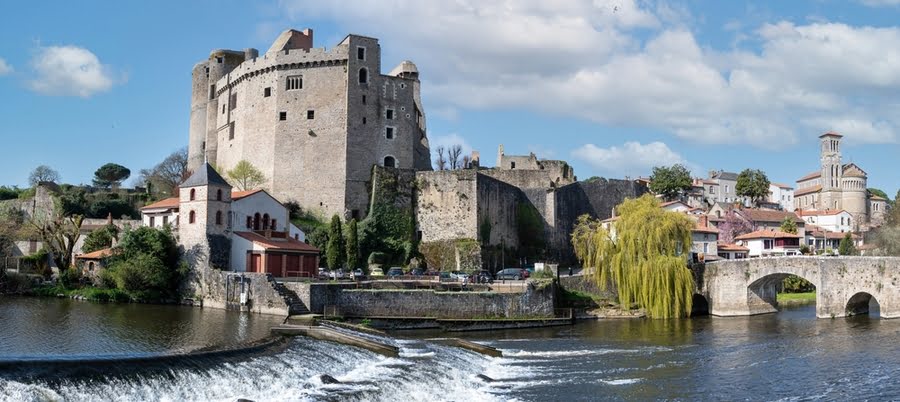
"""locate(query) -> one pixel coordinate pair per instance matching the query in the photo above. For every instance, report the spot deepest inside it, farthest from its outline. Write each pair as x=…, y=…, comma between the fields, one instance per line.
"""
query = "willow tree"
x=643, y=253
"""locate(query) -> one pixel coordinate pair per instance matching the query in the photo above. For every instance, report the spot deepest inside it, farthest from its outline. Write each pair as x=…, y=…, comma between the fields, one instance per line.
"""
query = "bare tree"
x=453, y=156
x=60, y=234
x=169, y=173
x=441, y=160
x=42, y=173
x=466, y=161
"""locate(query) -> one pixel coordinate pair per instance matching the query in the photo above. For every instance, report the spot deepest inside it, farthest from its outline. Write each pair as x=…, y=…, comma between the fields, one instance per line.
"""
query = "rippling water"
x=785, y=356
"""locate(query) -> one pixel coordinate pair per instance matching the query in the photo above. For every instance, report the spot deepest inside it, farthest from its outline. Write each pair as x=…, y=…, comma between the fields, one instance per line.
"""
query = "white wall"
x=261, y=203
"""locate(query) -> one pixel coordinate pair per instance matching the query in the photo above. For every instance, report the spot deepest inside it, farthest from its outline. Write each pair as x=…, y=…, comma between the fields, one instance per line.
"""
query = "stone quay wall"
x=222, y=290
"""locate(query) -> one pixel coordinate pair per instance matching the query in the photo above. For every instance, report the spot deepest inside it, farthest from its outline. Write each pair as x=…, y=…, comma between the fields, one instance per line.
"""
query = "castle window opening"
x=402, y=86
x=360, y=53
x=274, y=224
x=223, y=108
x=207, y=72
x=389, y=114
x=310, y=114
x=219, y=195
x=203, y=146
x=192, y=217
x=364, y=99
x=218, y=217
x=363, y=76
x=193, y=194
x=231, y=131
x=512, y=165
x=212, y=90
x=364, y=120
x=294, y=82
x=390, y=162
x=267, y=92
x=354, y=214
x=220, y=59
x=389, y=133
x=282, y=116
x=233, y=102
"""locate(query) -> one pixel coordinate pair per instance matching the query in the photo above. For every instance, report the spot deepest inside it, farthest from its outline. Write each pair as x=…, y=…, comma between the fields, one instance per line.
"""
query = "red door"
x=275, y=265
x=255, y=262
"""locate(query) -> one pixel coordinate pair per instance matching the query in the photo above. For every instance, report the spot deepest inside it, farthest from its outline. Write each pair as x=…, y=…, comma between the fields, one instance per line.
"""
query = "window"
x=256, y=221
x=364, y=99
x=512, y=165
x=249, y=222
x=192, y=217
x=364, y=120
x=212, y=91
x=282, y=116
x=193, y=194
x=152, y=222
x=726, y=189
x=389, y=114
x=218, y=217
x=274, y=224
x=219, y=195
x=354, y=214
x=363, y=76
x=360, y=53
x=389, y=133
x=267, y=92
x=265, y=221
x=294, y=82
x=165, y=220
x=231, y=131
x=220, y=59
x=767, y=244
x=233, y=102
x=310, y=114
x=223, y=108
x=389, y=161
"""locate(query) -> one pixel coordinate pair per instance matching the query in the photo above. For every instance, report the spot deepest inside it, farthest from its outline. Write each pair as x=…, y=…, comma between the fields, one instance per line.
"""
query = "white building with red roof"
x=770, y=243
x=834, y=220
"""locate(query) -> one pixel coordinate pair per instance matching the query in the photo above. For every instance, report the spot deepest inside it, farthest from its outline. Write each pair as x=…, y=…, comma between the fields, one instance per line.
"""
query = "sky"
x=615, y=87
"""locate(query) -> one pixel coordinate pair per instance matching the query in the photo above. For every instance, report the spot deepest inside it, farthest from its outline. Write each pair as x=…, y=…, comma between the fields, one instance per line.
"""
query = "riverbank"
x=797, y=298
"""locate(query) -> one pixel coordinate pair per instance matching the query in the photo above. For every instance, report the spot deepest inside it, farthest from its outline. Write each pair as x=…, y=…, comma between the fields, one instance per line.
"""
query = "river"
x=786, y=356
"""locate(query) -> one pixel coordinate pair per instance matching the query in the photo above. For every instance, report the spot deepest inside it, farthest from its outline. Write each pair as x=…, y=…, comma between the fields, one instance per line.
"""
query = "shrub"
x=69, y=278
x=377, y=258
x=100, y=239
x=142, y=273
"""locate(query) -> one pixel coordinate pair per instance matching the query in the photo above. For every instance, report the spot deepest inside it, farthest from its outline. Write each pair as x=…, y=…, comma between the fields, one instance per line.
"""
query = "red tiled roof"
x=830, y=235
x=699, y=229
x=168, y=203
x=236, y=195
x=812, y=212
x=812, y=175
x=288, y=244
x=807, y=190
x=96, y=255
x=731, y=247
x=876, y=197
x=779, y=185
x=762, y=215
x=767, y=234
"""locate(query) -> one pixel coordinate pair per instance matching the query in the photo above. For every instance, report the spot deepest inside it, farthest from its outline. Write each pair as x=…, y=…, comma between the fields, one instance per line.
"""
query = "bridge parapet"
x=843, y=284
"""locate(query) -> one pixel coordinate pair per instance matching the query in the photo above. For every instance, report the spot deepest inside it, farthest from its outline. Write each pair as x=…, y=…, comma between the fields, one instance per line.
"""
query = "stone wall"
x=315, y=296
x=446, y=206
x=533, y=303
x=586, y=284
x=498, y=203
x=210, y=286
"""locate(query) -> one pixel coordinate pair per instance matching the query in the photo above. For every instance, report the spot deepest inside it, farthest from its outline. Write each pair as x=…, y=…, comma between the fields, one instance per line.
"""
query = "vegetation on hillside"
x=646, y=260
x=670, y=182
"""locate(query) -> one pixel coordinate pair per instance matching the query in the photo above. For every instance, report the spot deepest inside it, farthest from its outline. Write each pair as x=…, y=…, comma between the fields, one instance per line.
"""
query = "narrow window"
x=389, y=133
x=363, y=76
x=267, y=92
x=364, y=99
x=218, y=217
x=274, y=224
x=220, y=59
x=152, y=222
x=203, y=146
x=364, y=120
x=360, y=53
x=192, y=217
x=294, y=82
x=233, y=102
x=231, y=131
x=165, y=220
x=265, y=221
x=249, y=222
x=282, y=116
x=512, y=165
x=193, y=194
x=310, y=114
x=256, y=221
x=219, y=195
x=212, y=91
x=390, y=162
x=223, y=108
x=389, y=114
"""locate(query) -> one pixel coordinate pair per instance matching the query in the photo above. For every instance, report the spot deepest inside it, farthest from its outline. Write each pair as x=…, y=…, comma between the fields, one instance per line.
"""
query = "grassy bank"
x=797, y=297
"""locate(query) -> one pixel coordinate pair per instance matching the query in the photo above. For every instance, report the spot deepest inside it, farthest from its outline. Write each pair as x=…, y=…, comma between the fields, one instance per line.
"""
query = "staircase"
x=295, y=305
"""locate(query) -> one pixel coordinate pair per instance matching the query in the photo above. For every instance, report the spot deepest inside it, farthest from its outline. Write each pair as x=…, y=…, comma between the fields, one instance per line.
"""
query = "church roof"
x=831, y=134
x=852, y=170
x=807, y=190
x=204, y=176
x=813, y=175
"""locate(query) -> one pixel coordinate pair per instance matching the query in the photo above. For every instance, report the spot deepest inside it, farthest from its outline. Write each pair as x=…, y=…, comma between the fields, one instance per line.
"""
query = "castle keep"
x=314, y=121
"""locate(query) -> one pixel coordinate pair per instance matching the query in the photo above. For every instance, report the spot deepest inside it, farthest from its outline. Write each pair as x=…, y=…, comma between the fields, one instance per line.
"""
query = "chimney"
x=704, y=221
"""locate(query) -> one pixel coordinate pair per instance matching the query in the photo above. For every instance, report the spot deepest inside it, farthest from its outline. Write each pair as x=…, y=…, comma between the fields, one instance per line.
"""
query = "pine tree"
x=847, y=247
x=334, y=254
x=646, y=259
x=352, y=245
x=788, y=225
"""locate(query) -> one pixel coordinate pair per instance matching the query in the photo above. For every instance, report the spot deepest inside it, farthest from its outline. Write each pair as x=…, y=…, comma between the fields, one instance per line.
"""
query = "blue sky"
x=614, y=87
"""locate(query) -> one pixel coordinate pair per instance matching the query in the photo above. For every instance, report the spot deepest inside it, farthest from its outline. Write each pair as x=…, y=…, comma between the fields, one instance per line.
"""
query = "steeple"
x=204, y=176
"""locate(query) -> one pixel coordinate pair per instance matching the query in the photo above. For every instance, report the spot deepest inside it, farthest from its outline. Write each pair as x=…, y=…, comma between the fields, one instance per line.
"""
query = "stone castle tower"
x=314, y=121
x=204, y=217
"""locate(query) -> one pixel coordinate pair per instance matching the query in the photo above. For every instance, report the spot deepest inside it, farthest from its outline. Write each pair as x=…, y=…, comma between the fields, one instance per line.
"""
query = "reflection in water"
x=789, y=355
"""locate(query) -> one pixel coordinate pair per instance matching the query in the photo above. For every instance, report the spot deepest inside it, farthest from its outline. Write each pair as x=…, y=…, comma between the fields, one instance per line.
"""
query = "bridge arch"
x=762, y=293
x=699, y=305
x=862, y=303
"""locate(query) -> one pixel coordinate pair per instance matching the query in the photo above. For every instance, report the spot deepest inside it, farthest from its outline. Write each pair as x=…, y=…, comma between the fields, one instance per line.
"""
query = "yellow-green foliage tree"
x=643, y=255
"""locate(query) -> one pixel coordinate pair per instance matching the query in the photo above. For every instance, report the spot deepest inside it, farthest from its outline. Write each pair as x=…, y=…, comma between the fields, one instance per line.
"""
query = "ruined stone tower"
x=314, y=121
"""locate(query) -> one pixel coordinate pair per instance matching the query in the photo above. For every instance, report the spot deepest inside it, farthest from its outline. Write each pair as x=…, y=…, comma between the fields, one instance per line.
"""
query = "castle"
x=314, y=121
x=838, y=186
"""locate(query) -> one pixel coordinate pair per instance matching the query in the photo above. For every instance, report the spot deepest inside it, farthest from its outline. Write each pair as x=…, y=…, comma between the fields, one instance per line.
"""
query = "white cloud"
x=880, y=3
x=631, y=159
x=69, y=71
x=628, y=63
x=5, y=68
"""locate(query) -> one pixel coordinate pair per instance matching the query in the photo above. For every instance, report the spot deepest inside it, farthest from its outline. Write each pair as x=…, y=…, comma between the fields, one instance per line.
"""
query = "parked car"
x=444, y=276
x=395, y=271
x=511, y=274
x=376, y=272
x=323, y=273
x=459, y=275
x=417, y=272
x=357, y=274
x=483, y=276
x=337, y=274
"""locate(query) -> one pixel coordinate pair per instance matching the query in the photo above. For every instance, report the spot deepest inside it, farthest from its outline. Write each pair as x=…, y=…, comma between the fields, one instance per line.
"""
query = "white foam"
x=565, y=353
x=622, y=381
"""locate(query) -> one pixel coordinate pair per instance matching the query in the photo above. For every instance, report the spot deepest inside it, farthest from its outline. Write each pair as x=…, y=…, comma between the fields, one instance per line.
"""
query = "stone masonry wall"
x=533, y=303
x=210, y=286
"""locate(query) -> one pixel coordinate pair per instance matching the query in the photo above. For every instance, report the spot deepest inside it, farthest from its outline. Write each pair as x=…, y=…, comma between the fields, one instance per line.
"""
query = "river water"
x=786, y=356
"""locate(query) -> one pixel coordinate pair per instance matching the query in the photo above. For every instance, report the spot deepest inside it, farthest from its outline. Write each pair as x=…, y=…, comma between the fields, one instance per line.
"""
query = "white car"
x=459, y=275
x=336, y=274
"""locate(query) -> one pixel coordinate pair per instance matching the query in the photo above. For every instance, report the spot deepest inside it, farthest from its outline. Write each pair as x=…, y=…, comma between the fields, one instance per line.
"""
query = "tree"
x=352, y=245
x=753, y=184
x=42, y=173
x=335, y=254
x=245, y=176
x=645, y=259
x=100, y=239
x=60, y=234
x=847, y=247
x=732, y=227
x=441, y=161
x=111, y=175
x=670, y=182
x=788, y=225
x=880, y=193
x=453, y=156
x=168, y=174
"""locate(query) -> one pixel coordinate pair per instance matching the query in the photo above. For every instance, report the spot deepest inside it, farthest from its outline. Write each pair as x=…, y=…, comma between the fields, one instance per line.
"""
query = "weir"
x=328, y=334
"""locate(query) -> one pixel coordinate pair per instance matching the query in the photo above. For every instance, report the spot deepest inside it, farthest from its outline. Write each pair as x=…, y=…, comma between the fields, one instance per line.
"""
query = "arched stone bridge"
x=844, y=285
